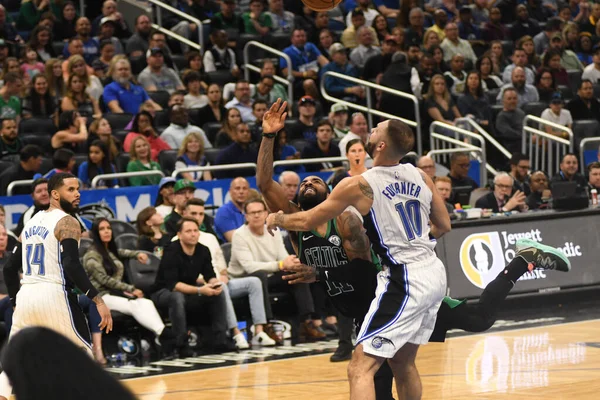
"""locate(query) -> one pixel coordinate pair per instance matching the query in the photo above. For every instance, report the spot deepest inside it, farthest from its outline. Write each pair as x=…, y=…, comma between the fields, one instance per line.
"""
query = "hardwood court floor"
x=550, y=362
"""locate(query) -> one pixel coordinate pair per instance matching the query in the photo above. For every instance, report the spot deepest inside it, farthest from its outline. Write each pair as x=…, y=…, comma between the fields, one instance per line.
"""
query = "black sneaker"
x=185, y=352
x=542, y=256
x=342, y=353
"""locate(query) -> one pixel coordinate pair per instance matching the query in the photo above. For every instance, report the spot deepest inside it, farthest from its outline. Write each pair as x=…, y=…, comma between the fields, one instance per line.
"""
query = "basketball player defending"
x=49, y=258
x=396, y=201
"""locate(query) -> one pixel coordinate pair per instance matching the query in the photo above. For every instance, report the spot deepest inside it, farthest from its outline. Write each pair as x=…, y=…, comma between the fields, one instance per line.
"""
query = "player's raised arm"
x=440, y=220
x=354, y=191
x=68, y=233
x=11, y=273
x=273, y=122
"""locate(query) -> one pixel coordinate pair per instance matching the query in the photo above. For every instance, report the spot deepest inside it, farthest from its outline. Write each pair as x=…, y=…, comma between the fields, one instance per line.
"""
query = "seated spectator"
x=103, y=264
x=30, y=66
x=568, y=59
x=439, y=23
x=413, y=55
x=30, y=160
x=425, y=71
x=523, y=25
x=256, y=253
x=322, y=147
x=183, y=192
x=10, y=142
x=284, y=151
x=226, y=136
x=456, y=77
x=241, y=151
x=427, y=164
x=438, y=59
x=177, y=288
x=106, y=34
x=10, y=105
x=180, y=128
x=526, y=93
x=305, y=128
x=585, y=51
x=499, y=61
x=558, y=115
x=152, y=238
x=430, y=39
x=110, y=12
x=338, y=117
x=191, y=154
x=459, y=173
x=143, y=125
x=242, y=101
x=438, y=102
x=54, y=75
x=443, y=185
x=259, y=108
x=215, y=110
x=377, y=64
x=194, y=97
x=220, y=57
x=365, y=49
x=39, y=103
x=341, y=87
x=545, y=84
x=358, y=130
x=66, y=28
x=230, y=216
x=98, y=163
x=164, y=199
x=551, y=61
x=76, y=66
x=31, y=11
x=526, y=43
x=194, y=63
x=540, y=193
x=227, y=19
x=100, y=130
x=257, y=22
x=584, y=105
x=453, y=45
x=156, y=76
x=40, y=42
x=282, y=20
x=137, y=45
x=519, y=171
x=473, y=102
x=509, y=122
x=593, y=176
x=542, y=39
x=519, y=59
x=77, y=99
x=398, y=76
x=468, y=29
x=63, y=160
x=494, y=29
x=500, y=200
x=569, y=172
x=350, y=35
x=140, y=160
x=91, y=48
x=264, y=90
x=415, y=30
x=289, y=181
x=72, y=130
x=122, y=96
x=306, y=60
x=592, y=71
x=357, y=155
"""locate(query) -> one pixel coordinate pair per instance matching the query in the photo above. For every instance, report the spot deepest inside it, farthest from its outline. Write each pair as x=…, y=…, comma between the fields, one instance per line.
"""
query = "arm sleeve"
x=109, y=95
x=94, y=268
x=243, y=254
x=11, y=273
x=126, y=253
x=73, y=268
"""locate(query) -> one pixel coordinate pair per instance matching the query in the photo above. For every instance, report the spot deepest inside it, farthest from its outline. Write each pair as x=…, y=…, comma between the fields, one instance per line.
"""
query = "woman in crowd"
x=526, y=43
x=485, y=68
x=438, y=102
x=430, y=38
x=71, y=131
x=77, y=98
x=31, y=12
x=140, y=160
x=356, y=155
x=585, y=51
x=473, y=102
x=570, y=35
x=496, y=53
x=39, y=103
x=231, y=119
x=55, y=79
x=101, y=130
x=152, y=238
x=30, y=66
x=40, y=42
x=66, y=28
x=143, y=125
x=195, y=97
x=438, y=59
x=215, y=109
x=193, y=63
x=325, y=42
x=107, y=52
x=551, y=61
x=191, y=154
x=103, y=264
x=545, y=84
x=98, y=163
x=381, y=27
x=77, y=66
x=164, y=199
x=283, y=151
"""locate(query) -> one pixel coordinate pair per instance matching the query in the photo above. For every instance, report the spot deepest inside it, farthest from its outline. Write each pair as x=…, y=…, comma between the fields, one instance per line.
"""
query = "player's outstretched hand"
x=273, y=221
x=274, y=119
x=300, y=273
x=106, y=323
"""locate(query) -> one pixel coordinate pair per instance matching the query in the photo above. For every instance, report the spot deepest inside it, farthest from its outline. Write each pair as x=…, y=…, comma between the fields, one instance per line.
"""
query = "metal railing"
x=178, y=37
x=582, y=144
x=546, y=154
x=213, y=168
x=289, y=82
x=369, y=108
x=118, y=175
x=160, y=5
x=14, y=184
x=489, y=138
x=440, y=141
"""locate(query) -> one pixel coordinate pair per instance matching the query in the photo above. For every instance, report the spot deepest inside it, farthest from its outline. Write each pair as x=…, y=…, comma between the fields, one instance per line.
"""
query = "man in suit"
x=499, y=200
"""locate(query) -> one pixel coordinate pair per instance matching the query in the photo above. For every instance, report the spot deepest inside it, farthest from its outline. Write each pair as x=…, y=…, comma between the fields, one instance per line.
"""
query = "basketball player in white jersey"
x=401, y=208
x=48, y=255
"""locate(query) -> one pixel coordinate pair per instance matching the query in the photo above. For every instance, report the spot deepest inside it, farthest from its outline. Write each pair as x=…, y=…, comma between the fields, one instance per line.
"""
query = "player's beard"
x=369, y=147
x=68, y=207
x=307, y=202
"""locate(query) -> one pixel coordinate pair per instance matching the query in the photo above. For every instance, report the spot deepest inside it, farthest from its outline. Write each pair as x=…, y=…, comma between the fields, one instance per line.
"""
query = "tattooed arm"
x=354, y=236
x=354, y=191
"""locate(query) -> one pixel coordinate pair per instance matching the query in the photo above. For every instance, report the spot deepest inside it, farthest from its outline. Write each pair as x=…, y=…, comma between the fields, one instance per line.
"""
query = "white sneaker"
x=262, y=339
x=240, y=342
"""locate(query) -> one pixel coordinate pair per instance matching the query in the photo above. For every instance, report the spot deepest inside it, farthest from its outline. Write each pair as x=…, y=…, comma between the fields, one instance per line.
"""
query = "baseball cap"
x=183, y=184
x=165, y=181
x=107, y=19
x=338, y=107
x=557, y=98
x=555, y=36
x=154, y=51
x=306, y=100
x=336, y=48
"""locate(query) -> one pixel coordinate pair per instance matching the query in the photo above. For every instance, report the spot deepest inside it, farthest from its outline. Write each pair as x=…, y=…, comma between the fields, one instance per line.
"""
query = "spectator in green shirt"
x=140, y=161
x=257, y=22
x=10, y=105
x=32, y=10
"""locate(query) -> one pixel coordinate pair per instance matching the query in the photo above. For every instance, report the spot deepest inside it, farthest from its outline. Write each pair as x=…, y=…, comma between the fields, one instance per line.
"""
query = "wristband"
x=280, y=265
x=199, y=294
x=269, y=135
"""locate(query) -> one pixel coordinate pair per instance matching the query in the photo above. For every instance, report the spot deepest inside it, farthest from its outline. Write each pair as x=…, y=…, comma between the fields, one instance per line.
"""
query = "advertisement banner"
x=474, y=255
x=127, y=202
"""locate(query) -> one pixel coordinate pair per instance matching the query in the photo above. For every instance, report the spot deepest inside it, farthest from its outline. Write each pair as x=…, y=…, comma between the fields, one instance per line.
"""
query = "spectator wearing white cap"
x=156, y=76
x=338, y=116
x=341, y=87
x=107, y=32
